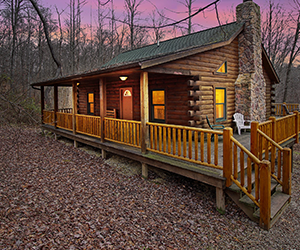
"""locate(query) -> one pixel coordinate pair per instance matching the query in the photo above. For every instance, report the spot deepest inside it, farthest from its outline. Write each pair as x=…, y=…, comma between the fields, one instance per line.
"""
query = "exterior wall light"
x=123, y=78
x=78, y=83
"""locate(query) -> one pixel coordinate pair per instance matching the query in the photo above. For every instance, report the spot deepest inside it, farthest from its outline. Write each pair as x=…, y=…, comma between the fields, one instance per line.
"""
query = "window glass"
x=158, y=97
x=92, y=108
x=220, y=104
x=91, y=97
x=159, y=112
x=223, y=68
x=158, y=109
x=90, y=103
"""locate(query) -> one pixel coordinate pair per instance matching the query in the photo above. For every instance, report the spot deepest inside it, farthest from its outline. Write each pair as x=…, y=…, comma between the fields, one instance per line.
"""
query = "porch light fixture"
x=78, y=83
x=123, y=78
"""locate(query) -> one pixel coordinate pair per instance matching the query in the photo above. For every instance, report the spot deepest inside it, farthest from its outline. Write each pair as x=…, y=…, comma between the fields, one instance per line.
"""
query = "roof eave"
x=181, y=54
x=275, y=77
x=65, y=81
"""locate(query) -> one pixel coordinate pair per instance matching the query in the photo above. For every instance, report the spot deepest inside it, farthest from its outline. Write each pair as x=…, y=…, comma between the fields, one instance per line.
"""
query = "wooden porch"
x=255, y=175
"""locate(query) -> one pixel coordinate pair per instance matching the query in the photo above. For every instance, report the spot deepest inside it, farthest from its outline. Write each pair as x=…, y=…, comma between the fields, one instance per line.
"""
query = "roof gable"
x=176, y=45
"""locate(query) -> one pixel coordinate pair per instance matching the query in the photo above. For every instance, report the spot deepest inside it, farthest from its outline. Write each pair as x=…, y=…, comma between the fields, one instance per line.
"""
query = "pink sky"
x=224, y=7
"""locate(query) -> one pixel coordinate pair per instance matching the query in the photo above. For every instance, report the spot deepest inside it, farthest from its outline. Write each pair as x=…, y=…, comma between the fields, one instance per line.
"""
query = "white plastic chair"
x=240, y=122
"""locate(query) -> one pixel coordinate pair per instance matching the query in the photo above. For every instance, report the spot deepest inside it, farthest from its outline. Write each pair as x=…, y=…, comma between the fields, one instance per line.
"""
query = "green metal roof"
x=195, y=40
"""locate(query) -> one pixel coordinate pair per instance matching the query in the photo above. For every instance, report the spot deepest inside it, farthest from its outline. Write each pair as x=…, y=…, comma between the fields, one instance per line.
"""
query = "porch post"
x=287, y=171
x=274, y=132
x=227, y=156
x=55, y=105
x=265, y=194
x=102, y=93
x=42, y=103
x=253, y=145
x=297, y=125
x=74, y=109
x=144, y=110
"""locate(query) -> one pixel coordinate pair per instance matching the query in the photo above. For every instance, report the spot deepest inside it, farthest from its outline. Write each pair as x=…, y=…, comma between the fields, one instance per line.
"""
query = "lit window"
x=223, y=68
x=220, y=104
x=158, y=105
x=90, y=104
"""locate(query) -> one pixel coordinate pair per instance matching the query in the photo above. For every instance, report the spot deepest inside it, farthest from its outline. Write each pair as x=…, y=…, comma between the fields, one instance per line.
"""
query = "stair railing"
x=235, y=155
x=264, y=147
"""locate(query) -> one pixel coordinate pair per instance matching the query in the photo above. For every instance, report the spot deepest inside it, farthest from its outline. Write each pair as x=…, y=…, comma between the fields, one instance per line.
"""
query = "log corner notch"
x=194, y=94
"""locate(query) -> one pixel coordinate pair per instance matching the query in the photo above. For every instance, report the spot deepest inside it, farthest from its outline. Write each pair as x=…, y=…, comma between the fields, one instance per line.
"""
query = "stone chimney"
x=250, y=86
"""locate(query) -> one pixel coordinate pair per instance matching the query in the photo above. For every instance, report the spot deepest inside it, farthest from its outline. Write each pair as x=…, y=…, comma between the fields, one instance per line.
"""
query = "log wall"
x=113, y=96
x=84, y=88
x=205, y=65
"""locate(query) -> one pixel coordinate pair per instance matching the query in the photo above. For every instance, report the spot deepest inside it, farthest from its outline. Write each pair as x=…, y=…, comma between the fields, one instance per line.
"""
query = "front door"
x=126, y=103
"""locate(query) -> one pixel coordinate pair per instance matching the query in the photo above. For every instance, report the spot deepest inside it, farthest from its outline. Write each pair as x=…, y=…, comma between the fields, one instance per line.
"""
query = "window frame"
x=226, y=68
x=89, y=104
x=153, y=105
x=224, y=118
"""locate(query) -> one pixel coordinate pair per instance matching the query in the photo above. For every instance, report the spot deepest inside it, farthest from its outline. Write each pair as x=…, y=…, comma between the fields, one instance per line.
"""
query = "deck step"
x=279, y=201
x=235, y=188
x=247, y=201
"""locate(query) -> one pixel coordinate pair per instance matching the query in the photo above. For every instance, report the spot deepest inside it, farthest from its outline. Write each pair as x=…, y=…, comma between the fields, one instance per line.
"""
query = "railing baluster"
x=242, y=164
x=165, y=138
x=174, y=141
x=169, y=140
x=256, y=169
x=202, y=146
x=184, y=142
x=179, y=142
x=151, y=136
x=208, y=148
x=155, y=137
x=279, y=165
x=235, y=160
x=190, y=144
x=160, y=138
x=249, y=175
x=216, y=149
x=196, y=145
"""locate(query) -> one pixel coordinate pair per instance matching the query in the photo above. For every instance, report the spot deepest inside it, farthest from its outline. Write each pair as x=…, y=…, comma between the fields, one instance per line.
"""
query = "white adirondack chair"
x=240, y=122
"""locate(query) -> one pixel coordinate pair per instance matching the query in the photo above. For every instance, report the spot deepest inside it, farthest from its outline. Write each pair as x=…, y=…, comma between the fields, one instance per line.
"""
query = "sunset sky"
x=205, y=21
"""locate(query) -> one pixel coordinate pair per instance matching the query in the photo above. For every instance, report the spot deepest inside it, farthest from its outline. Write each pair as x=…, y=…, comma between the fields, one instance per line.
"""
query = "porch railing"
x=123, y=131
x=185, y=143
x=282, y=129
x=241, y=167
x=88, y=125
x=48, y=117
x=279, y=110
x=64, y=120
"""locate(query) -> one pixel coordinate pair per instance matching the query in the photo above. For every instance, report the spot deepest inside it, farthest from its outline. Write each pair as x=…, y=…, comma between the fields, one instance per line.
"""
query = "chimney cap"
x=247, y=1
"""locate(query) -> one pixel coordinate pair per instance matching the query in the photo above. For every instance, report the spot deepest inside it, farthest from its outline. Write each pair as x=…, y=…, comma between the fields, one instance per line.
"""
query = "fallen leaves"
x=54, y=196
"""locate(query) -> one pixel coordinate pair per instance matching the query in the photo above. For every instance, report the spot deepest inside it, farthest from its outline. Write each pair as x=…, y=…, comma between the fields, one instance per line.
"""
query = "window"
x=223, y=68
x=220, y=104
x=90, y=103
x=158, y=105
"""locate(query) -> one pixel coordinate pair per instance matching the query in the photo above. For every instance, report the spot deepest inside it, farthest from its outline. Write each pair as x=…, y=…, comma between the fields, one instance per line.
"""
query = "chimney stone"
x=250, y=85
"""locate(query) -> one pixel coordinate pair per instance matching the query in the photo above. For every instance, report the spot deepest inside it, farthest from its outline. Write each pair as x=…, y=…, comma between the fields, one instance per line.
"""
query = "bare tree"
x=136, y=33
x=46, y=31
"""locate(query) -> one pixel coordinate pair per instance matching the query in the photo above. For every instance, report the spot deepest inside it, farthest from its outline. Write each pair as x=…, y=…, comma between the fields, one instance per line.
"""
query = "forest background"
x=40, y=40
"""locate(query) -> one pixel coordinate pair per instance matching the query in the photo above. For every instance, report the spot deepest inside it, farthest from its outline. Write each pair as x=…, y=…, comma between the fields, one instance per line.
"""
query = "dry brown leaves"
x=54, y=196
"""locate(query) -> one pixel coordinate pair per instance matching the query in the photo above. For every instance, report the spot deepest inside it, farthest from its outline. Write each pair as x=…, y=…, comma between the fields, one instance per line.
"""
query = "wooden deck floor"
x=198, y=172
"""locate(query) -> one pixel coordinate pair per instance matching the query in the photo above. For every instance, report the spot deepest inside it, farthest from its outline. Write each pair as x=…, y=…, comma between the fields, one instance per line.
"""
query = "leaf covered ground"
x=55, y=196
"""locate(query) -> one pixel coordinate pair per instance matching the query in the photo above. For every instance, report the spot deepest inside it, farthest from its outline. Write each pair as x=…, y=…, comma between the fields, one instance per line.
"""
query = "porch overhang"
x=68, y=80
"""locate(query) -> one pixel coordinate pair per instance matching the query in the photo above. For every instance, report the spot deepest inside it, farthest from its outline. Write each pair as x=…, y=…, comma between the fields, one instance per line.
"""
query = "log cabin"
x=150, y=104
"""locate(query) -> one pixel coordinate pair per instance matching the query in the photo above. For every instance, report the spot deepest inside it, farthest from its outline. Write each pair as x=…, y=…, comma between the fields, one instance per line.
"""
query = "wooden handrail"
x=126, y=132
x=252, y=156
x=88, y=125
x=185, y=143
x=186, y=127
